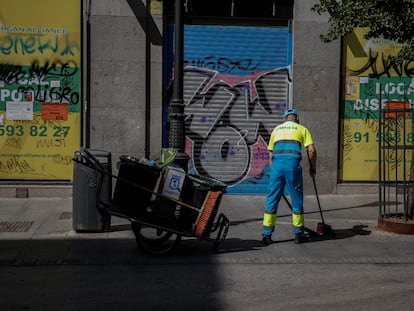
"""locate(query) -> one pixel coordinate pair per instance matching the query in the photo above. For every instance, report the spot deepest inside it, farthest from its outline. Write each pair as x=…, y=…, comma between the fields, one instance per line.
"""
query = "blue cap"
x=291, y=111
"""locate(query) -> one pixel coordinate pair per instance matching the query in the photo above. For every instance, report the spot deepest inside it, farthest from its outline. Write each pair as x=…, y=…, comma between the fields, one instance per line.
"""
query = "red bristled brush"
x=207, y=211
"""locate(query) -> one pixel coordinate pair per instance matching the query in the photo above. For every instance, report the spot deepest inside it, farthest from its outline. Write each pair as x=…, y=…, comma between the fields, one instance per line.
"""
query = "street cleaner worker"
x=285, y=155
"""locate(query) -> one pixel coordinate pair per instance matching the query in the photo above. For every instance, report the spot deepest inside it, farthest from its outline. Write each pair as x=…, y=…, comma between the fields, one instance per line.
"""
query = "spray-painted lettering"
x=230, y=118
x=23, y=44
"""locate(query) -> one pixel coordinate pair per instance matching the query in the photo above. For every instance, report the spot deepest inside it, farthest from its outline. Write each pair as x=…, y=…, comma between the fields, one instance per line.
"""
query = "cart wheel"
x=156, y=237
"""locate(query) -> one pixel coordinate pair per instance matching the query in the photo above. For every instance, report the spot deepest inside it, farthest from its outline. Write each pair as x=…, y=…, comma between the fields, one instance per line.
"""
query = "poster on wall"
x=40, y=79
x=372, y=85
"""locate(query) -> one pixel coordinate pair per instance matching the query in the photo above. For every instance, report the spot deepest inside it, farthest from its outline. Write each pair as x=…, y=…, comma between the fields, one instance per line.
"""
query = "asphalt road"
x=206, y=285
x=50, y=267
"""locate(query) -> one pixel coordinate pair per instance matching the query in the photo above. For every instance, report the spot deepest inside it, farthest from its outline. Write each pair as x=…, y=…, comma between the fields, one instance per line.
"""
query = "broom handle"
x=316, y=190
x=317, y=198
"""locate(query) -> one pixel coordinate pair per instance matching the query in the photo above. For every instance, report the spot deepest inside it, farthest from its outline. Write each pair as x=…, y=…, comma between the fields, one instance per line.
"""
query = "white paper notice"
x=19, y=110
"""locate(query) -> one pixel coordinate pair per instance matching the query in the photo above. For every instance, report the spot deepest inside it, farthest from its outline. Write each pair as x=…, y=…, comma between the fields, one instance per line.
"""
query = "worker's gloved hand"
x=312, y=172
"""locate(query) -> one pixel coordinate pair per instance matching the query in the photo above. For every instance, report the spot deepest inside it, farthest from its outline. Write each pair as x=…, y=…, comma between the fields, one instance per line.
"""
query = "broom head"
x=206, y=217
x=325, y=229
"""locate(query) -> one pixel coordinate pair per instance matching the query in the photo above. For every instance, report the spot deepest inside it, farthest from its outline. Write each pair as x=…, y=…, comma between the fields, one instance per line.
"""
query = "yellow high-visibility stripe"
x=269, y=220
x=298, y=220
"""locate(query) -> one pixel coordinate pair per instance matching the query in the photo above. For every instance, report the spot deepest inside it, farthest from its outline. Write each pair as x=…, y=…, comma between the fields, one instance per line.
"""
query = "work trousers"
x=286, y=172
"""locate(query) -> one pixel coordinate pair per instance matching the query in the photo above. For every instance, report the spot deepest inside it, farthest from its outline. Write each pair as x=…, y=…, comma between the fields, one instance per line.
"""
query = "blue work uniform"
x=286, y=143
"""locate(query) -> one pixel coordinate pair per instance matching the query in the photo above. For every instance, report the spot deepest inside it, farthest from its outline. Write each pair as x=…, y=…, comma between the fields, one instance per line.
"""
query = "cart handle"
x=98, y=167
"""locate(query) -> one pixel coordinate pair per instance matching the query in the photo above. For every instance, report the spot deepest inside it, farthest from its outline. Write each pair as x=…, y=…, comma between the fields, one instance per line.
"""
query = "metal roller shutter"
x=236, y=87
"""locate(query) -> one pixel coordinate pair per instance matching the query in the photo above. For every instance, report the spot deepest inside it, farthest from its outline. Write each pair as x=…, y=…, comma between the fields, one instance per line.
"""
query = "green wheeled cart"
x=163, y=204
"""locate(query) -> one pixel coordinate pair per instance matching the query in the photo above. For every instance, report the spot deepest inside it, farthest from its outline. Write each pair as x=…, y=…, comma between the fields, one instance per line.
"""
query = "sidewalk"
x=39, y=230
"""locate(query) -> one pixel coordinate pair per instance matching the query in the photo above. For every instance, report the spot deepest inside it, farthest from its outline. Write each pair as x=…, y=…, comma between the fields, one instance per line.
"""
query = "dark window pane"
x=280, y=9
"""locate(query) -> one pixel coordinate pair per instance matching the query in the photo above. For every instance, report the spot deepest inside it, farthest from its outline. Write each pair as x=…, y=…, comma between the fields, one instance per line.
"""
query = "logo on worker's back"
x=173, y=182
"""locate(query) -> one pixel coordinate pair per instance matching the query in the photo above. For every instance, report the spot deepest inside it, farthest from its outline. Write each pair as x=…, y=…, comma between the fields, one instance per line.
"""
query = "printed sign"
x=173, y=183
x=19, y=111
x=55, y=111
x=40, y=84
x=374, y=87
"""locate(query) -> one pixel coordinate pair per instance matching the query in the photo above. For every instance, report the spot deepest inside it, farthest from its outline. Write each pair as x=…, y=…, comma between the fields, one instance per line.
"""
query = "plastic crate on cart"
x=204, y=193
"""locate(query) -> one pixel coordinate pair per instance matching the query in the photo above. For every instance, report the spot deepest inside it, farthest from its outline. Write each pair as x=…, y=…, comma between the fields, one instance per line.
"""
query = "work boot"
x=301, y=238
x=267, y=240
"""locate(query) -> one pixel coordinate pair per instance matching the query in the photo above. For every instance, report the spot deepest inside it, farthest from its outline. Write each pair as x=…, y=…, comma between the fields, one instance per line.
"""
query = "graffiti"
x=18, y=165
x=14, y=142
x=383, y=65
x=368, y=134
x=347, y=143
x=394, y=159
x=51, y=143
x=55, y=69
x=226, y=127
x=222, y=64
x=60, y=95
x=50, y=82
x=40, y=89
x=261, y=154
x=23, y=44
x=11, y=74
x=61, y=159
x=15, y=165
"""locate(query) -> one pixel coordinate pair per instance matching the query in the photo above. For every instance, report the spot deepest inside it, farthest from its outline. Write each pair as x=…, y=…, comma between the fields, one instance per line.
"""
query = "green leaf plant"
x=387, y=19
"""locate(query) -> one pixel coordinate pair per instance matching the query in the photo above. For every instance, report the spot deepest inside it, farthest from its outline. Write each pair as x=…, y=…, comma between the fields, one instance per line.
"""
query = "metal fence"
x=395, y=162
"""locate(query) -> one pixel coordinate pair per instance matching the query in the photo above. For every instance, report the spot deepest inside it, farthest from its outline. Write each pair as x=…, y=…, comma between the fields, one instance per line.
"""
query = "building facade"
x=243, y=67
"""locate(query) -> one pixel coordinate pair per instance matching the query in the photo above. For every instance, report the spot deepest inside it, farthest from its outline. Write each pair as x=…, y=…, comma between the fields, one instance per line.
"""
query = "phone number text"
x=34, y=130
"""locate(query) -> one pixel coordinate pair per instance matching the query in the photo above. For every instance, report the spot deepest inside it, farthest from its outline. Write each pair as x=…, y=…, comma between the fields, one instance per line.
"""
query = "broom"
x=207, y=214
x=322, y=228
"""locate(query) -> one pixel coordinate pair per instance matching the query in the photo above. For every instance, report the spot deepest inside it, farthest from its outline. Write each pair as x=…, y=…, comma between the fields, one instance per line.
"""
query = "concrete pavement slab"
x=49, y=236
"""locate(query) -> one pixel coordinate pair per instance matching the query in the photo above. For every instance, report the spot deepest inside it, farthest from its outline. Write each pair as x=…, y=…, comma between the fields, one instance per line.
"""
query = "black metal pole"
x=176, y=113
x=147, y=83
x=178, y=50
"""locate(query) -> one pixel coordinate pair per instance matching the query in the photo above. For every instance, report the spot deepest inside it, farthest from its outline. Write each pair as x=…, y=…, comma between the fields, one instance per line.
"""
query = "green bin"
x=195, y=190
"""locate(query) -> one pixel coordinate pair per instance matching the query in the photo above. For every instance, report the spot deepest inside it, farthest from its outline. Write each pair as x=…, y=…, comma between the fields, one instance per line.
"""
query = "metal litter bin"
x=88, y=215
